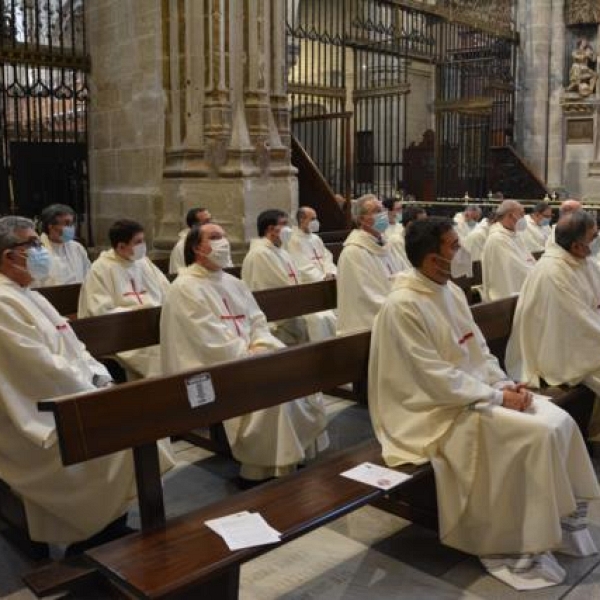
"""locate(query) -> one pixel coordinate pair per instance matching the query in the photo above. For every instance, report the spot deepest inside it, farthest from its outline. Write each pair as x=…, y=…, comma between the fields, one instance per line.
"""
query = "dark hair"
x=411, y=213
x=268, y=218
x=572, y=228
x=424, y=237
x=193, y=238
x=190, y=217
x=540, y=208
x=123, y=231
x=51, y=213
x=389, y=203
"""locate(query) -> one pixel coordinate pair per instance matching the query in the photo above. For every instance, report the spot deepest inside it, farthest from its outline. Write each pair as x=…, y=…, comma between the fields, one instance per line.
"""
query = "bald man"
x=506, y=261
x=567, y=207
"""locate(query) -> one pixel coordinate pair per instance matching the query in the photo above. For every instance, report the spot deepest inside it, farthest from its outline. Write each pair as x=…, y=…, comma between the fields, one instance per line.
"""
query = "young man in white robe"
x=268, y=265
x=41, y=358
x=512, y=473
x=209, y=317
x=538, y=227
x=195, y=216
x=124, y=279
x=70, y=262
x=505, y=262
x=556, y=329
x=366, y=268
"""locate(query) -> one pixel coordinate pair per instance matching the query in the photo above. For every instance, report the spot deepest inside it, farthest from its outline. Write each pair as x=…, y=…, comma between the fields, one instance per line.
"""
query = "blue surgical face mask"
x=68, y=233
x=399, y=217
x=381, y=222
x=39, y=262
x=545, y=222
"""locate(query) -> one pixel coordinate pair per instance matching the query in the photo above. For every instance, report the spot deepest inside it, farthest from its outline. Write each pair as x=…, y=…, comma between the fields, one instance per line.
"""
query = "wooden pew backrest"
x=495, y=321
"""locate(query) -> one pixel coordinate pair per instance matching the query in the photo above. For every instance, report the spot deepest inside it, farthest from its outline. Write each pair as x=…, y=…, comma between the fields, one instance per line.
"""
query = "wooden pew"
x=199, y=563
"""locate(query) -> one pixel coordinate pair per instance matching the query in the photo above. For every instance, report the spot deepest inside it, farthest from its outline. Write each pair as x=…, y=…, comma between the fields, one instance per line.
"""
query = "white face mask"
x=139, y=251
x=521, y=224
x=220, y=253
x=314, y=226
x=594, y=246
x=285, y=234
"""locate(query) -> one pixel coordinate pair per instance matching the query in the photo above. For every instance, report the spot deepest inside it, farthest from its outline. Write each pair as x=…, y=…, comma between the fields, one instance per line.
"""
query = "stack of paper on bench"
x=244, y=530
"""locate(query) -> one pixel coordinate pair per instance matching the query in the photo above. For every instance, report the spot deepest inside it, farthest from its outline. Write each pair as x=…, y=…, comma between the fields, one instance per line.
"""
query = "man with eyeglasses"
x=41, y=358
x=70, y=262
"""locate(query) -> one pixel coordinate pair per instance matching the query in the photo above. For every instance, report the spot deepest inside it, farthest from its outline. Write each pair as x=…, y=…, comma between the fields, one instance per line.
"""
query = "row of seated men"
x=435, y=392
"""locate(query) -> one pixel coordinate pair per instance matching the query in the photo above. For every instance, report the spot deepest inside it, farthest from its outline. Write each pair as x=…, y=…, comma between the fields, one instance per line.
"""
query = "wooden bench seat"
x=199, y=560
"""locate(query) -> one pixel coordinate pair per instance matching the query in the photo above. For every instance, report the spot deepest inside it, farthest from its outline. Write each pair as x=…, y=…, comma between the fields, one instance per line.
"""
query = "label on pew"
x=200, y=390
x=377, y=476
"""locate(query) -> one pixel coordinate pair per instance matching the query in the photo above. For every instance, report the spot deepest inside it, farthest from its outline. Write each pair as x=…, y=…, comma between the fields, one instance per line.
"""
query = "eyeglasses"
x=33, y=243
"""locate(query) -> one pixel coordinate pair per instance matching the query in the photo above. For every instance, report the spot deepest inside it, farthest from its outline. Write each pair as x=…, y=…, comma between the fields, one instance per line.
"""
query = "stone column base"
x=233, y=203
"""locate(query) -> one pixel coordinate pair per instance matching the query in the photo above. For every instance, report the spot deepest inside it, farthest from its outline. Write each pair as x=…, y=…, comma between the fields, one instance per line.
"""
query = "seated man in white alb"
x=365, y=268
x=556, y=329
x=195, y=216
x=475, y=240
x=567, y=206
x=538, y=227
x=313, y=260
x=209, y=317
x=505, y=262
x=123, y=279
x=394, y=210
x=41, y=358
x=512, y=472
x=268, y=265
x=411, y=212
x=70, y=262
x=471, y=216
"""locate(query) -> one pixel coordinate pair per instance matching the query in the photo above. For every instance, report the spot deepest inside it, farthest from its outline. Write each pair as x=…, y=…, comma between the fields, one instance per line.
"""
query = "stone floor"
x=367, y=555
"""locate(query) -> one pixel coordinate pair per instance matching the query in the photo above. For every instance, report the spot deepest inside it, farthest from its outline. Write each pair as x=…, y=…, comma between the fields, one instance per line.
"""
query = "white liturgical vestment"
x=41, y=358
x=308, y=252
x=505, y=263
x=504, y=478
x=70, y=263
x=177, y=258
x=211, y=317
x=267, y=266
x=535, y=236
x=114, y=285
x=365, y=274
x=475, y=240
x=556, y=329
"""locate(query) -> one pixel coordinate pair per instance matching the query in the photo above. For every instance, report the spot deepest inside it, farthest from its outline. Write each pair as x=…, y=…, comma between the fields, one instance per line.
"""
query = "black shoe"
x=112, y=531
x=248, y=484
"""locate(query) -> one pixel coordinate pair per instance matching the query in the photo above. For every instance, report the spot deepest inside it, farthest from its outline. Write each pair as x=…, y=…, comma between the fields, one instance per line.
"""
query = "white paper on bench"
x=244, y=530
x=377, y=476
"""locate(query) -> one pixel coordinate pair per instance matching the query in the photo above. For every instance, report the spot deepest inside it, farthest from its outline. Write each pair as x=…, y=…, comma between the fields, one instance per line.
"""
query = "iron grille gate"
x=347, y=68
x=43, y=107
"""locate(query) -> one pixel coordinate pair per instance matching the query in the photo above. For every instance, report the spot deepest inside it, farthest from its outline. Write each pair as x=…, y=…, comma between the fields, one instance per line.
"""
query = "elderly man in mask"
x=41, y=358
x=366, y=268
x=209, y=317
x=506, y=261
x=70, y=262
x=556, y=329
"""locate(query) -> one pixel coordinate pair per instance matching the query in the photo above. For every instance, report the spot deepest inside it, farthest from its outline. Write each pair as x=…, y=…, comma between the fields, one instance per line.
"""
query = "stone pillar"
x=126, y=131
x=232, y=159
x=535, y=25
